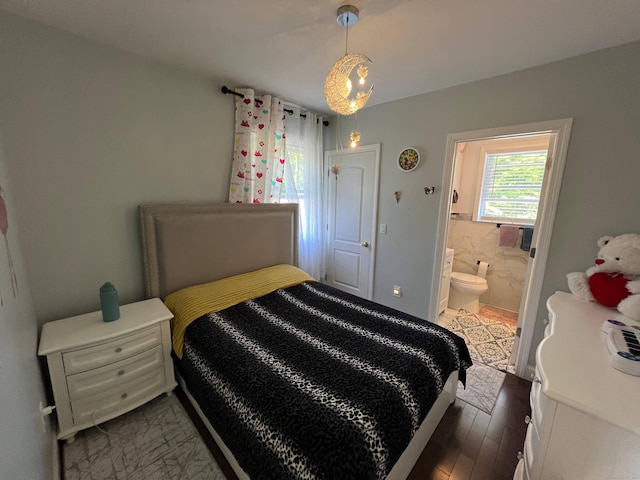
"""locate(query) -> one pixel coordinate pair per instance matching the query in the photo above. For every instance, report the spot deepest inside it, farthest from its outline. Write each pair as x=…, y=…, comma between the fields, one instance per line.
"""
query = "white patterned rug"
x=156, y=441
x=490, y=341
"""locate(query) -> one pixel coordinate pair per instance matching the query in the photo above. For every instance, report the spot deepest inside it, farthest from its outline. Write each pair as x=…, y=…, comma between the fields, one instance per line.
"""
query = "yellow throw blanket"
x=191, y=303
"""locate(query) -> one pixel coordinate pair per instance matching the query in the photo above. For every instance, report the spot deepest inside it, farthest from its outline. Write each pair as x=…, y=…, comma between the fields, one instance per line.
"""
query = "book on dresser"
x=100, y=370
x=585, y=414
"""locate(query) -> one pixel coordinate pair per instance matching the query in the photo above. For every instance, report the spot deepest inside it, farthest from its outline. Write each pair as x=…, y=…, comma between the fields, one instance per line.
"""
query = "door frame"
x=375, y=147
x=542, y=234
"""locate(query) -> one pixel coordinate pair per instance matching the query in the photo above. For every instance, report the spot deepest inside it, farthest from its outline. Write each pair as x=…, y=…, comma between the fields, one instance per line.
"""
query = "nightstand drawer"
x=93, y=410
x=109, y=352
x=109, y=377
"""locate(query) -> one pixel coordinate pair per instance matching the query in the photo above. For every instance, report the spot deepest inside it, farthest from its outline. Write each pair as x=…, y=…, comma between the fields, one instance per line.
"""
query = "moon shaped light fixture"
x=338, y=86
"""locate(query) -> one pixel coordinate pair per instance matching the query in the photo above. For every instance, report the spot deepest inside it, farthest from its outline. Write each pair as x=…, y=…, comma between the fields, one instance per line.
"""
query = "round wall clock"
x=408, y=159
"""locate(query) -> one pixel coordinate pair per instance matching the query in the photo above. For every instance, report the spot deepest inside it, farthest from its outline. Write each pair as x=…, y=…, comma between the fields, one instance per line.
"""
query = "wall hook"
x=429, y=190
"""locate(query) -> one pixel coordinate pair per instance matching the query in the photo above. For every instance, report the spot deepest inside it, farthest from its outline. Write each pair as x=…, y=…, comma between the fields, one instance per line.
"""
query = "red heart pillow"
x=609, y=289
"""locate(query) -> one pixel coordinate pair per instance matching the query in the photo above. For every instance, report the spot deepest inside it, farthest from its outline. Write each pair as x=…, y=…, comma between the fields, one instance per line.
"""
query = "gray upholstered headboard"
x=185, y=245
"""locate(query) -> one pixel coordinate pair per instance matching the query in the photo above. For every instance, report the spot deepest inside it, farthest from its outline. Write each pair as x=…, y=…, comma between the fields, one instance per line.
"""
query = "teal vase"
x=109, y=302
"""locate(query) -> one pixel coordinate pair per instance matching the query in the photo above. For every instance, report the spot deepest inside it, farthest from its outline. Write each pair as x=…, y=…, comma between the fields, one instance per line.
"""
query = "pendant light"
x=338, y=86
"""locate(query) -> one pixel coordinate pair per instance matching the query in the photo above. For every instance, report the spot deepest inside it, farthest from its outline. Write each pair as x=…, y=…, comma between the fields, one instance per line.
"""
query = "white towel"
x=509, y=235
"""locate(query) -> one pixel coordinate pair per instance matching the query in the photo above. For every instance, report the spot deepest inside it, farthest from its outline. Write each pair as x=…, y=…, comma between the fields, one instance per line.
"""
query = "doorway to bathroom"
x=467, y=229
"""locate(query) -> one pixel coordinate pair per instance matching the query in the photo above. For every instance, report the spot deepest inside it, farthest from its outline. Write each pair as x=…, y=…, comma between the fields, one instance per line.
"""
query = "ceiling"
x=286, y=47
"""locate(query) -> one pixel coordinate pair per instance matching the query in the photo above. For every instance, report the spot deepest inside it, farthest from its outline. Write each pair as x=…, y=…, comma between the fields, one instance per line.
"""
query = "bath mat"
x=483, y=386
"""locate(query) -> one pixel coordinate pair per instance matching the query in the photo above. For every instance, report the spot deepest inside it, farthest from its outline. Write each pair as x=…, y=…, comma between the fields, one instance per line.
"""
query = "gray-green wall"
x=600, y=192
x=90, y=133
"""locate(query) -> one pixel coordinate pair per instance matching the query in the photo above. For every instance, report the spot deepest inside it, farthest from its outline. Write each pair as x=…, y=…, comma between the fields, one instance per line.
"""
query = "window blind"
x=511, y=186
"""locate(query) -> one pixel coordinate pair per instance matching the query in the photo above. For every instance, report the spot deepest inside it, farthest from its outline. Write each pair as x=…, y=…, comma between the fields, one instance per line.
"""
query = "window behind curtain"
x=293, y=185
x=510, y=188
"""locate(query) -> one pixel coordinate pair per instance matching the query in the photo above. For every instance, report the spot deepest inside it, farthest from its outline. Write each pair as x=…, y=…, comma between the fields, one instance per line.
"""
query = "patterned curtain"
x=259, y=153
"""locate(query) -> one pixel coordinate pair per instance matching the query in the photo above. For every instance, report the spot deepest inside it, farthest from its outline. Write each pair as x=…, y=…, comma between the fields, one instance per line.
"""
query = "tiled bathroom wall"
x=473, y=241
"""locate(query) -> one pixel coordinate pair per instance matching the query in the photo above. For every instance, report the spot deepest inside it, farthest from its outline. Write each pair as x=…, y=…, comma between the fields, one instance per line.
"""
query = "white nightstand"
x=100, y=370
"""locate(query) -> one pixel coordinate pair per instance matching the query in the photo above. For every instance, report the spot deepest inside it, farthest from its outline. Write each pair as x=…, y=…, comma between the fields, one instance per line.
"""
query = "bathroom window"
x=509, y=187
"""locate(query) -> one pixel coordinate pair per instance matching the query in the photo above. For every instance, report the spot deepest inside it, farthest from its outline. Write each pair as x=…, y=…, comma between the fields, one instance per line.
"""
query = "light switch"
x=397, y=291
x=383, y=229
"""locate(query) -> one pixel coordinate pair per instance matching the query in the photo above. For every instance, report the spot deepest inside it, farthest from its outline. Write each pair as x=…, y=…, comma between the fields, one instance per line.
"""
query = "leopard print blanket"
x=311, y=382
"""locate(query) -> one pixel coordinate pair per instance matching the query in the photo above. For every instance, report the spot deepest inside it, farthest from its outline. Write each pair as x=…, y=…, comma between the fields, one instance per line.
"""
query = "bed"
x=292, y=378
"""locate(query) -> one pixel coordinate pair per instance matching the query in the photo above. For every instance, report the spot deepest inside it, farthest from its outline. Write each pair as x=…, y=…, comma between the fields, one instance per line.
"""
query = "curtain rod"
x=224, y=89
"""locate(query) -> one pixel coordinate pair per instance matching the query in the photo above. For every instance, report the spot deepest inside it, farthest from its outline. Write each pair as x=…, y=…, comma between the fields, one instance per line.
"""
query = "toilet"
x=466, y=290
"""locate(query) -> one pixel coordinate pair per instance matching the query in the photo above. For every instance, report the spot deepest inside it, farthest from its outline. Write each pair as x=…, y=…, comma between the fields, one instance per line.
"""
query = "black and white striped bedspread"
x=311, y=382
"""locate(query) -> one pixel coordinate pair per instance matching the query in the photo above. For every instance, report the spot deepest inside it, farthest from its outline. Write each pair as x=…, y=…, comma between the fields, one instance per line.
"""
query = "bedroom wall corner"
x=26, y=441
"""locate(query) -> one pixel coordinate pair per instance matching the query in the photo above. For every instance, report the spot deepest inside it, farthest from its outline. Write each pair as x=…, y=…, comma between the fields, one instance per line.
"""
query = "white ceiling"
x=286, y=47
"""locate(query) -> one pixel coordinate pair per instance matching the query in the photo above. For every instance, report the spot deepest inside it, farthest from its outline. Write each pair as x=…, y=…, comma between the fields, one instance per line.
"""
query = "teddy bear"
x=614, y=281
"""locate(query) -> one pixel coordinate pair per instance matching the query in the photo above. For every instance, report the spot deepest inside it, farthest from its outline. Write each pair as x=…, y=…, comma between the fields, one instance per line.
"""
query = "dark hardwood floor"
x=468, y=444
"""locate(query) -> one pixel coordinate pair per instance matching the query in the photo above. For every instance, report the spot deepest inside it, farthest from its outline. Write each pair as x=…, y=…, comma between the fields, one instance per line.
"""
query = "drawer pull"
x=527, y=419
x=119, y=349
x=520, y=455
x=124, y=395
x=121, y=372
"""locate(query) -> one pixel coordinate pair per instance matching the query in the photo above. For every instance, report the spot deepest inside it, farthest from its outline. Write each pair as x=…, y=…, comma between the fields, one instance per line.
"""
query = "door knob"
x=365, y=244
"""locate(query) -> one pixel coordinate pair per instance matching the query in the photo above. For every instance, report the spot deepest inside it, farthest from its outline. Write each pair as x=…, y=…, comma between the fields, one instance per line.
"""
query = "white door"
x=352, y=193
x=526, y=290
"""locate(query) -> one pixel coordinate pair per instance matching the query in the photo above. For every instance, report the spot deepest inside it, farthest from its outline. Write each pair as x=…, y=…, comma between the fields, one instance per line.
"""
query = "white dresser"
x=585, y=420
x=100, y=370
